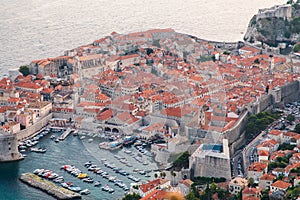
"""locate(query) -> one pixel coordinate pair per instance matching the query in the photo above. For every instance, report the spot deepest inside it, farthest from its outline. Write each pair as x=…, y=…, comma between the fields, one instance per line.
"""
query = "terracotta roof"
x=47, y=90
x=258, y=167
x=250, y=191
x=281, y=184
x=156, y=195
x=250, y=198
x=105, y=115
x=30, y=85
x=267, y=177
x=126, y=117
x=150, y=185
x=263, y=153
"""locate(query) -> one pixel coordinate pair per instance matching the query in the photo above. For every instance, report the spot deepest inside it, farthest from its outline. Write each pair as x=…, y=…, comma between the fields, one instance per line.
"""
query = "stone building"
x=9, y=147
x=211, y=160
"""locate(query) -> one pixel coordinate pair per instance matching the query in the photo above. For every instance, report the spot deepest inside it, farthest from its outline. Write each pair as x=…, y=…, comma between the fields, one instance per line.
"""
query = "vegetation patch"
x=257, y=123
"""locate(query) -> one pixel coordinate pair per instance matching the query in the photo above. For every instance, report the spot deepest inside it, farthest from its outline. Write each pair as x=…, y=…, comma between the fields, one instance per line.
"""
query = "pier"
x=48, y=187
x=65, y=134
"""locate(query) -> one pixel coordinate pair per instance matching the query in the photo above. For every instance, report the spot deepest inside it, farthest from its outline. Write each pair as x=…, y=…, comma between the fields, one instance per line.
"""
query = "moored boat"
x=85, y=192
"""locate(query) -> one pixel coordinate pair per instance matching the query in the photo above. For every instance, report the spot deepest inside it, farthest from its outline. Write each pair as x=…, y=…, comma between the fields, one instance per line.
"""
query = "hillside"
x=275, y=25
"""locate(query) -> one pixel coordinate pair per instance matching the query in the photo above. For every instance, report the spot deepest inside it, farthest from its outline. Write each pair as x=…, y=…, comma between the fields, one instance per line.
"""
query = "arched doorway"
x=107, y=129
x=115, y=130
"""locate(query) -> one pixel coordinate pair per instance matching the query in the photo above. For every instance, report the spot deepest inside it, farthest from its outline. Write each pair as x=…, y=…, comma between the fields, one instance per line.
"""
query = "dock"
x=65, y=134
x=48, y=187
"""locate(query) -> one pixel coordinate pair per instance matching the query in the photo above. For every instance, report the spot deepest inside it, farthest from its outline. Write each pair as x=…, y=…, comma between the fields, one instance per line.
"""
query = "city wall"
x=286, y=94
x=211, y=166
x=29, y=132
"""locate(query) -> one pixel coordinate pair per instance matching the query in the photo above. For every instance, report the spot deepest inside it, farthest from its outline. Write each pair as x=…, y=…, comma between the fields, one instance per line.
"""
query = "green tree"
x=251, y=182
x=155, y=175
x=265, y=195
x=182, y=161
x=133, y=196
x=290, y=118
x=297, y=128
x=191, y=196
x=24, y=70
x=213, y=57
x=163, y=174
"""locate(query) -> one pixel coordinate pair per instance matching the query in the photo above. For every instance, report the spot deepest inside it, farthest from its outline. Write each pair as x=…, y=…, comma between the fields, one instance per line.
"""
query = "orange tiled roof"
x=267, y=177
x=150, y=185
x=263, y=153
x=156, y=195
x=281, y=184
x=250, y=190
x=257, y=166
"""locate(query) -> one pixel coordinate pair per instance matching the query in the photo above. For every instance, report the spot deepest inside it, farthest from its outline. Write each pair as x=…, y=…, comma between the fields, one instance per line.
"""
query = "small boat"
x=127, y=151
x=66, y=184
x=22, y=147
x=88, y=164
x=145, y=163
x=52, y=137
x=85, y=192
x=74, y=188
x=57, y=140
x=39, y=150
x=75, y=133
x=136, y=170
x=88, y=180
x=142, y=172
x=82, y=175
x=129, y=165
x=97, y=184
x=107, y=189
x=82, y=137
x=59, y=179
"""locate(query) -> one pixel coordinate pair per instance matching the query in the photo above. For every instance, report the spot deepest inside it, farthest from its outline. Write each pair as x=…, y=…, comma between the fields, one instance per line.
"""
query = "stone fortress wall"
x=279, y=11
x=276, y=97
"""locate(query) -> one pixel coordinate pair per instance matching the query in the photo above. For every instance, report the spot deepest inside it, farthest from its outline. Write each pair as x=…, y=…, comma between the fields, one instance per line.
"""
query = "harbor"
x=76, y=152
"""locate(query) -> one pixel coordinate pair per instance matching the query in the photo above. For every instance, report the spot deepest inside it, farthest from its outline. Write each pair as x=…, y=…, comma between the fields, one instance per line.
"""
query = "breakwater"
x=48, y=187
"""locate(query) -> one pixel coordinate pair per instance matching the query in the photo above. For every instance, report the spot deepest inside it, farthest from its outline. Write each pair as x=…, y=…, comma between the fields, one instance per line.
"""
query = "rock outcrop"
x=275, y=25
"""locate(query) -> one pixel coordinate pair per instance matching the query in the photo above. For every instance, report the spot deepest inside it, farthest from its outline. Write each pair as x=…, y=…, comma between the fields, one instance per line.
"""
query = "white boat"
x=74, y=188
x=82, y=137
x=39, y=150
x=127, y=151
x=145, y=163
x=85, y=192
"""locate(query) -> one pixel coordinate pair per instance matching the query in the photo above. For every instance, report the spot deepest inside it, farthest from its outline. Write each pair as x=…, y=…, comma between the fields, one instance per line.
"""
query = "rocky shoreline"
x=48, y=187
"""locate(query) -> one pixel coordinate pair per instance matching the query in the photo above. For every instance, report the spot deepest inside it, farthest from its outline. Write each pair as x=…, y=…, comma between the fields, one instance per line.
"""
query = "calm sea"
x=35, y=29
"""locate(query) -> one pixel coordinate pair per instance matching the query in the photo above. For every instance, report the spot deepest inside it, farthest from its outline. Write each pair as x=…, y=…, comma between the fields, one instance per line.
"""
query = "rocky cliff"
x=274, y=25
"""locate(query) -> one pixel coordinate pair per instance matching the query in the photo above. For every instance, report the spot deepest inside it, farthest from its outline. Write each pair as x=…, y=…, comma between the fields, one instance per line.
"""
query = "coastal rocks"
x=270, y=31
x=274, y=25
x=48, y=187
